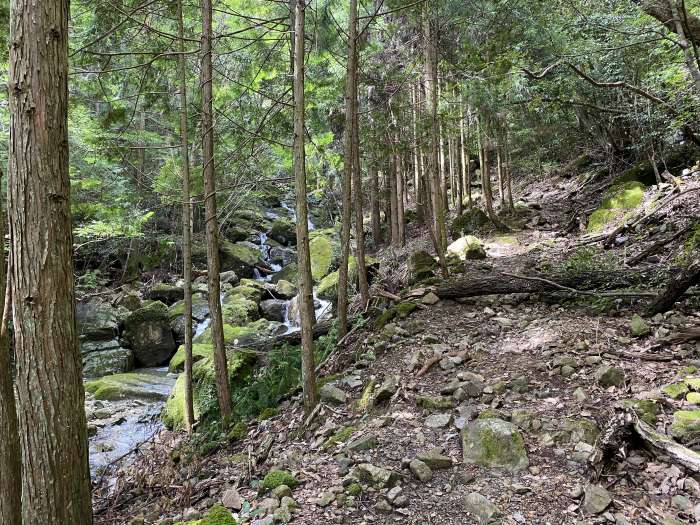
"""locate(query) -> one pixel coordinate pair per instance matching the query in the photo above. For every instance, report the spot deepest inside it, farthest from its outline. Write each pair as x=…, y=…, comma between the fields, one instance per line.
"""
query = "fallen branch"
x=677, y=287
x=436, y=359
x=582, y=292
x=665, y=447
x=657, y=246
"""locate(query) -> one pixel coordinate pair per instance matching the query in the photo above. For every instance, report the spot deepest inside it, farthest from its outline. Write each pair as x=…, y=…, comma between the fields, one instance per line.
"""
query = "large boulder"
x=255, y=332
x=285, y=289
x=239, y=310
x=241, y=364
x=239, y=257
x=149, y=334
x=469, y=222
x=116, y=360
x=289, y=273
x=97, y=321
x=274, y=309
x=322, y=247
x=127, y=386
x=284, y=231
x=165, y=293
x=467, y=247
x=282, y=256
x=421, y=266
x=494, y=443
x=618, y=201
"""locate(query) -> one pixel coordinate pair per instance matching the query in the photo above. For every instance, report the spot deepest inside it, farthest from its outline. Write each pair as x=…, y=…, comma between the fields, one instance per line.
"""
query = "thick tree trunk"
x=431, y=81
x=50, y=397
x=350, y=102
x=10, y=481
x=359, y=210
x=677, y=286
x=186, y=219
x=212, y=225
x=306, y=297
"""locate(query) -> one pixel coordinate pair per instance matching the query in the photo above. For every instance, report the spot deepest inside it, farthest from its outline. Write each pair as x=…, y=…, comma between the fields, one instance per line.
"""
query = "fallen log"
x=677, y=286
x=507, y=283
x=659, y=245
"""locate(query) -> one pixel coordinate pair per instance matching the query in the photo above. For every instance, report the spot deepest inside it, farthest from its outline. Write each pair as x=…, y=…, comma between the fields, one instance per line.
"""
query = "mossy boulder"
x=285, y=289
x=321, y=249
x=124, y=386
x=467, y=247
x=243, y=335
x=618, y=200
x=241, y=364
x=676, y=390
x=241, y=257
x=165, y=293
x=289, y=273
x=328, y=287
x=217, y=515
x=276, y=478
x=199, y=351
x=148, y=332
x=401, y=310
x=341, y=436
x=284, y=231
x=686, y=425
x=494, y=443
x=646, y=409
x=238, y=309
x=116, y=360
x=200, y=308
x=639, y=327
x=468, y=223
x=421, y=266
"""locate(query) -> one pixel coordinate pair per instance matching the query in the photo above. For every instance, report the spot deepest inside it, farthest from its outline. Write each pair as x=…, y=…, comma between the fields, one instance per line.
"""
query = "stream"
x=118, y=427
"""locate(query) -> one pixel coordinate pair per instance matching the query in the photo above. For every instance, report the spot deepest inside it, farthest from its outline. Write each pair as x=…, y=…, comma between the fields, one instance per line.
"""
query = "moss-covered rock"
x=275, y=478
x=284, y=231
x=321, y=249
x=686, y=425
x=434, y=402
x=618, y=200
x=237, y=432
x=112, y=361
x=494, y=443
x=421, y=266
x=241, y=364
x=341, y=436
x=328, y=287
x=241, y=257
x=96, y=321
x=123, y=386
x=238, y=309
x=289, y=273
x=165, y=293
x=468, y=223
x=401, y=310
x=253, y=332
x=150, y=335
x=199, y=351
x=217, y=515
x=639, y=327
x=676, y=390
x=647, y=409
x=285, y=289
x=467, y=247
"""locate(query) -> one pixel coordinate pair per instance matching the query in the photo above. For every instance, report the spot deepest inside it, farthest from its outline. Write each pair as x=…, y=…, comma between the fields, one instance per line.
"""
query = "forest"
x=350, y=262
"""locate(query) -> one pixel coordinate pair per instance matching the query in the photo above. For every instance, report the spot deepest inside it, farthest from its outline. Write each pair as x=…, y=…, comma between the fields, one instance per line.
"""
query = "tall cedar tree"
x=212, y=225
x=50, y=397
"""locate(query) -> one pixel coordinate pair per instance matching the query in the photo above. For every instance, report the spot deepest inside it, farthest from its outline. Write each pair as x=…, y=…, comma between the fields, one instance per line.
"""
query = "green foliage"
x=275, y=478
x=589, y=259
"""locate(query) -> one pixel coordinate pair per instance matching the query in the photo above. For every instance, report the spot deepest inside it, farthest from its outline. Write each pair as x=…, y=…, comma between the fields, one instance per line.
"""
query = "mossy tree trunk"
x=212, y=224
x=50, y=397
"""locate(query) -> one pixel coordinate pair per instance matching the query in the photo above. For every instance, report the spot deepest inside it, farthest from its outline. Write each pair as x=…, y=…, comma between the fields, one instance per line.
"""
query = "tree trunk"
x=10, y=481
x=212, y=225
x=661, y=10
x=50, y=398
x=417, y=183
x=486, y=175
x=431, y=81
x=394, y=201
x=688, y=55
x=359, y=209
x=501, y=178
x=374, y=203
x=186, y=220
x=350, y=102
x=306, y=292
x=400, y=193
x=509, y=180
x=677, y=286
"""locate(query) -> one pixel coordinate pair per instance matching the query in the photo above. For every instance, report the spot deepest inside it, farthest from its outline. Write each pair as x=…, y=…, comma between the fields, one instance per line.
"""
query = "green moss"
x=421, y=266
x=401, y=310
x=289, y=273
x=239, y=309
x=321, y=249
x=241, y=252
x=122, y=386
x=199, y=351
x=354, y=489
x=686, y=424
x=339, y=437
x=675, y=390
x=275, y=478
x=646, y=409
x=252, y=293
x=365, y=400
x=217, y=515
x=239, y=431
x=693, y=383
x=152, y=311
x=268, y=413
x=622, y=197
x=434, y=402
x=493, y=443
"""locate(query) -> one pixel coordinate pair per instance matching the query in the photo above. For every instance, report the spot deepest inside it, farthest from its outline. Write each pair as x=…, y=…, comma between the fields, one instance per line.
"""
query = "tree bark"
x=374, y=203
x=50, y=398
x=306, y=293
x=359, y=209
x=350, y=102
x=10, y=481
x=688, y=54
x=394, y=201
x=212, y=225
x=661, y=10
x=186, y=219
x=431, y=81
x=677, y=286
x=418, y=183
x=400, y=193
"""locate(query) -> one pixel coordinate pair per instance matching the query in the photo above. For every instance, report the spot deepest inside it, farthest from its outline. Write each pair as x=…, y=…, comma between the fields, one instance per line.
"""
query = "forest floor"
x=535, y=362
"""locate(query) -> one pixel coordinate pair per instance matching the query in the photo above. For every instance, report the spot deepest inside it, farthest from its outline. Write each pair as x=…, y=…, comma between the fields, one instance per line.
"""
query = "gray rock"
x=379, y=476
x=420, y=470
x=595, y=500
x=165, y=293
x=430, y=299
x=639, y=327
x=274, y=309
x=149, y=334
x=229, y=277
x=435, y=459
x=281, y=491
x=115, y=361
x=97, y=321
x=482, y=509
x=232, y=499
x=608, y=376
x=494, y=443
x=365, y=442
x=333, y=394
x=438, y=420
x=268, y=505
x=394, y=493
x=387, y=389
x=580, y=395
x=326, y=499
x=282, y=515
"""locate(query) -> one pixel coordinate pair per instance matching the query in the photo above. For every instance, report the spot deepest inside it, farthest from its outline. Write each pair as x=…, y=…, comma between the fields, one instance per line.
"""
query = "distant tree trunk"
x=466, y=161
x=400, y=191
x=186, y=220
x=306, y=292
x=417, y=183
x=462, y=168
x=50, y=398
x=688, y=54
x=509, y=181
x=142, y=149
x=431, y=81
x=394, y=201
x=443, y=170
x=374, y=204
x=501, y=178
x=359, y=210
x=10, y=481
x=350, y=102
x=212, y=225
x=486, y=173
